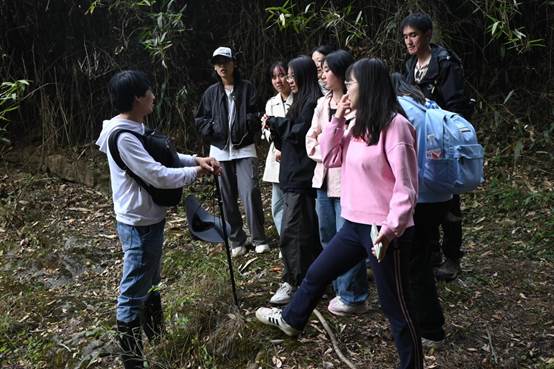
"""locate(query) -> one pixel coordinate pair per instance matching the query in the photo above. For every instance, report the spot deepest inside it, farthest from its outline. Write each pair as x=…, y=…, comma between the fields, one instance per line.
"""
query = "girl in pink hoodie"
x=378, y=188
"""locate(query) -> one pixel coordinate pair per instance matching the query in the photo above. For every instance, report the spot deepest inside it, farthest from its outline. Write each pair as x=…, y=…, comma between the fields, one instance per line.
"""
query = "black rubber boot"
x=130, y=340
x=153, y=319
x=449, y=270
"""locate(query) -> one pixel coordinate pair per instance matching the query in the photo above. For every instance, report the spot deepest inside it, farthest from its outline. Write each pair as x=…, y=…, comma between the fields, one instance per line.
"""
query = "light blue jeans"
x=142, y=257
x=352, y=286
x=277, y=205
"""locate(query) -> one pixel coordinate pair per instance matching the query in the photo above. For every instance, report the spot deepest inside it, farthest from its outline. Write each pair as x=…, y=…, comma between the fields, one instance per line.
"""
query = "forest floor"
x=61, y=262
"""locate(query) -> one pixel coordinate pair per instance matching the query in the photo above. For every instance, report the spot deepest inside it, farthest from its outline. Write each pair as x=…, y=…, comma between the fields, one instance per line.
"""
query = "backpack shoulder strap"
x=447, y=54
x=114, y=148
x=114, y=152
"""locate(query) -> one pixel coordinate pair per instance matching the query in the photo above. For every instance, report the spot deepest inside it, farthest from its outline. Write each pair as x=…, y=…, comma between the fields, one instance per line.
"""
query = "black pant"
x=423, y=288
x=348, y=247
x=299, y=240
x=452, y=231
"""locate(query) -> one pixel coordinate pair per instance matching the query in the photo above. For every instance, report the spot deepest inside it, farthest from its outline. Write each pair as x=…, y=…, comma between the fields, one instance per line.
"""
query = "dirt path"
x=61, y=263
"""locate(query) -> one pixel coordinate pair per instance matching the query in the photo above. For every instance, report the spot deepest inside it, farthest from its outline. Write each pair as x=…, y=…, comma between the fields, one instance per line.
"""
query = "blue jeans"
x=352, y=286
x=277, y=206
x=349, y=246
x=142, y=256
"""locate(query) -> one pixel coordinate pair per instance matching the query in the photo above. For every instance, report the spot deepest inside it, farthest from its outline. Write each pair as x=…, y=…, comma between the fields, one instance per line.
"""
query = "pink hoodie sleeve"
x=400, y=149
x=333, y=143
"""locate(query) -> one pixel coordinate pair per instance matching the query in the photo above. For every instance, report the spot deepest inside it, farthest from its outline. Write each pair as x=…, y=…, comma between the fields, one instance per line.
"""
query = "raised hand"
x=343, y=107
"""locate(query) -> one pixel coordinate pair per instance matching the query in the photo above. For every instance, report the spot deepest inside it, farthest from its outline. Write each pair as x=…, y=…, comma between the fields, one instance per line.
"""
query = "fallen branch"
x=341, y=356
x=489, y=336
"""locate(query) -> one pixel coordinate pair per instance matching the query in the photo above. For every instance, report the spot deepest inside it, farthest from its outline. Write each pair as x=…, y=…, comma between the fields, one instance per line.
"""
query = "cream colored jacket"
x=321, y=174
x=274, y=107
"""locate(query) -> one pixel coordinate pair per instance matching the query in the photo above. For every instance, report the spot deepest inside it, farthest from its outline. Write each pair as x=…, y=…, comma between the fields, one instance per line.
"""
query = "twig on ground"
x=489, y=336
x=341, y=356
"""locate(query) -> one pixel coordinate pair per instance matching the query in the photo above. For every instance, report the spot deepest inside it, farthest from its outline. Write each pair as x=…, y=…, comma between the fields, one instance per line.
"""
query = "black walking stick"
x=226, y=240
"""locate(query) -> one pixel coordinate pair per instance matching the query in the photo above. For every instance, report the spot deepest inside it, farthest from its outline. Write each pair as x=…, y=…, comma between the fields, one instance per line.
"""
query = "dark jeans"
x=452, y=231
x=351, y=245
x=423, y=288
x=299, y=241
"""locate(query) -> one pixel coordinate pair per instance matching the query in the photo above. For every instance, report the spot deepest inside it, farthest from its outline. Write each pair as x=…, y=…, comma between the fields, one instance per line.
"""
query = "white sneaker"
x=260, y=249
x=238, y=251
x=272, y=316
x=338, y=307
x=283, y=294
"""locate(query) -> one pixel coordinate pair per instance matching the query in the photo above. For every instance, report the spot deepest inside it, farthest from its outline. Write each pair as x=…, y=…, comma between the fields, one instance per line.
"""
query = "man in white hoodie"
x=140, y=221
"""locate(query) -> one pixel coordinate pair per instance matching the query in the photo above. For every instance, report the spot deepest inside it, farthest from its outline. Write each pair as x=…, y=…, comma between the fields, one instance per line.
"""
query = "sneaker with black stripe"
x=272, y=316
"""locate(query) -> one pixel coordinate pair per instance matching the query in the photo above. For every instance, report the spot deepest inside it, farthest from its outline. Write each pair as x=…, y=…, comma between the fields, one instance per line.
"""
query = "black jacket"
x=296, y=168
x=212, y=117
x=444, y=81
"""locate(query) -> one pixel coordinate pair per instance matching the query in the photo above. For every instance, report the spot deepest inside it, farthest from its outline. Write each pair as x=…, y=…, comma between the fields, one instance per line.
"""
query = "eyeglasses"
x=290, y=78
x=348, y=84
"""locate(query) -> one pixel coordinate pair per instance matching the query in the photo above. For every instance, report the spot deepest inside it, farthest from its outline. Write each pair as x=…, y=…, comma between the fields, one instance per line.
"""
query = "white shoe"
x=338, y=307
x=272, y=316
x=260, y=249
x=283, y=294
x=238, y=251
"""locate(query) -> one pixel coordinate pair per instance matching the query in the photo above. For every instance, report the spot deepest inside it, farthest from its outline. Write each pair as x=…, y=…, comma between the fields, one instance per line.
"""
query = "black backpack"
x=161, y=148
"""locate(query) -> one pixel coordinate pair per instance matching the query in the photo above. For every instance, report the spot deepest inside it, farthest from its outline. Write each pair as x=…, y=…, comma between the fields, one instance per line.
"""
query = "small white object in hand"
x=377, y=248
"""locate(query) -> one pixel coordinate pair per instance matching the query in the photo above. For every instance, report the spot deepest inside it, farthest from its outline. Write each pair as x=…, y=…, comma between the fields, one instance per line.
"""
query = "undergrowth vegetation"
x=62, y=260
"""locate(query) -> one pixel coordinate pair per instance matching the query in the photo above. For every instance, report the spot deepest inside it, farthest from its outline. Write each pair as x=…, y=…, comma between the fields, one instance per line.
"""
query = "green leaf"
x=508, y=97
x=494, y=27
x=282, y=20
x=358, y=17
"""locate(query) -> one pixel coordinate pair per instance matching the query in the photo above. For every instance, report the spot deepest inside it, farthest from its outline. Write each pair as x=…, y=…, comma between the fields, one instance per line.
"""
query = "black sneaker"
x=449, y=270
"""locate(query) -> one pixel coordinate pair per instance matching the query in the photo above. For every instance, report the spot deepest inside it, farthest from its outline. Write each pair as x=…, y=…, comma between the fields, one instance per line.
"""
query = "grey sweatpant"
x=239, y=179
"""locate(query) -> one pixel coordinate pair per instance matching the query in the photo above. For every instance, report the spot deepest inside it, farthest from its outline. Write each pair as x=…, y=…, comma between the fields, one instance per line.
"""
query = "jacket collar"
x=433, y=70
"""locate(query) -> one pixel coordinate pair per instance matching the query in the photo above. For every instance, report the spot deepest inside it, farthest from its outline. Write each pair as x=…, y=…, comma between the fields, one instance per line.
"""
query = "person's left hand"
x=209, y=165
x=384, y=245
x=277, y=155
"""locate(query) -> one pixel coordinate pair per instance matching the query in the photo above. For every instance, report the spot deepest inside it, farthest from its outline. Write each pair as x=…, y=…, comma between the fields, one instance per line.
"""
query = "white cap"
x=222, y=51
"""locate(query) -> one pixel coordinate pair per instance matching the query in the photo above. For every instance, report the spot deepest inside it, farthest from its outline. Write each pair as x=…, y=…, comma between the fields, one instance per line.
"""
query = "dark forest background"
x=68, y=50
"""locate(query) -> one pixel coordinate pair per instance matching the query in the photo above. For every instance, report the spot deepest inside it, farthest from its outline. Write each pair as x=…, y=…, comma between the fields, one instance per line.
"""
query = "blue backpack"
x=453, y=157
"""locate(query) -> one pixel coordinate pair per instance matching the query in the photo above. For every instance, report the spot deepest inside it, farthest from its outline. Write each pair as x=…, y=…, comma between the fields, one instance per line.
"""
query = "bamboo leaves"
x=346, y=25
x=10, y=95
x=501, y=15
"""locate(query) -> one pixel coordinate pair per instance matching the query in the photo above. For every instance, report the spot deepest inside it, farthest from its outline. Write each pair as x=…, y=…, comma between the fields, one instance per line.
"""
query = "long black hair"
x=377, y=103
x=338, y=62
x=305, y=78
x=403, y=88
